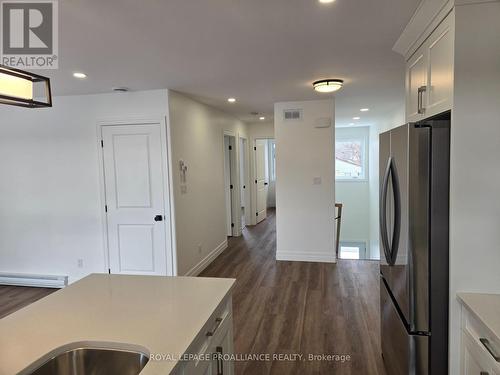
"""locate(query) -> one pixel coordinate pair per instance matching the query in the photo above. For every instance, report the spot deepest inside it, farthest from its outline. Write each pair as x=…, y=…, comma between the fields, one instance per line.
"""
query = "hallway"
x=300, y=308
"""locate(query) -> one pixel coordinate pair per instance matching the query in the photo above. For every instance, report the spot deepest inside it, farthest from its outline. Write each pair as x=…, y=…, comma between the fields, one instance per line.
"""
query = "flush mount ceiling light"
x=326, y=1
x=262, y=118
x=79, y=75
x=17, y=87
x=120, y=89
x=328, y=85
x=356, y=118
x=364, y=109
x=231, y=100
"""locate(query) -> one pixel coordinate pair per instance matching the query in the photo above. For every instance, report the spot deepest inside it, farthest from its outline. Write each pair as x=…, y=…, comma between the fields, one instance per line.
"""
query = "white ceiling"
x=258, y=51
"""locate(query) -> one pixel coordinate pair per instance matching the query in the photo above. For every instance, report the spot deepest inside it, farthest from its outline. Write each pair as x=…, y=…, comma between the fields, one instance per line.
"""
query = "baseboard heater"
x=40, y=281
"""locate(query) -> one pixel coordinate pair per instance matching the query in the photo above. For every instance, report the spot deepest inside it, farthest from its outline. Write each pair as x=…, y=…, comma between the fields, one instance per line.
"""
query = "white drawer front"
x=480, y=349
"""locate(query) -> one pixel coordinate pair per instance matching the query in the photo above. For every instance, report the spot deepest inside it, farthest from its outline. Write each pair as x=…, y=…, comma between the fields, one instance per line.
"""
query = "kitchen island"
x=174, y=321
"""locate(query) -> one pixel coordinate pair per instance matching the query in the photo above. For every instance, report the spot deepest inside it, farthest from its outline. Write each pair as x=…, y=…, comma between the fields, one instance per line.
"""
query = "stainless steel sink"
x=93, y=361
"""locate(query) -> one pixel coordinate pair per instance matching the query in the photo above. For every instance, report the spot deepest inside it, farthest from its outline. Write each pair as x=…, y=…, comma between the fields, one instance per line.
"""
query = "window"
x=350, y=160
x=272, y=159
x=352, y=250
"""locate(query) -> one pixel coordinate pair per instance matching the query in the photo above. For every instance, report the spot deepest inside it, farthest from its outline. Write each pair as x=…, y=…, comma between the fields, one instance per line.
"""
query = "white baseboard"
x=39, y=281
x=196, y=270
x=306, y=257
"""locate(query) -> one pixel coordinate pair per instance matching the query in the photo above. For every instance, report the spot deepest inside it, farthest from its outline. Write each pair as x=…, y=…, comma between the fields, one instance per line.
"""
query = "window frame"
x=364, y=158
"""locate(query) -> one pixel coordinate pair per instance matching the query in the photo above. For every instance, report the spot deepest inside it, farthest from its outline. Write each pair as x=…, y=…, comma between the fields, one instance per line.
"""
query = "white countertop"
x=159, y=314
x=486, y=307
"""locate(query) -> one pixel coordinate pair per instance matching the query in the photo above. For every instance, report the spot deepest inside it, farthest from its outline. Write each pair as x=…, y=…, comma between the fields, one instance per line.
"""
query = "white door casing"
x=261, y=178
x=134, y=189
x=227, y=185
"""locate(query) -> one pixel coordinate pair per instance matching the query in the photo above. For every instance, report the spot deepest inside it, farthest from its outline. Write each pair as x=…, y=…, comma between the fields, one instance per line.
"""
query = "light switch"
x=317, y=181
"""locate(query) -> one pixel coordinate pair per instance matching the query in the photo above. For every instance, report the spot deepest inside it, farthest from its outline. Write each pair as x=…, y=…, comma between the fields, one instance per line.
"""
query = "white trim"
x=198, y=268
x=39, y=281
x=170, y=161
x=426, y=18
x=170, y=255
x=246, y=178
x=309, y=256
x=234, y=171
x=253, y=171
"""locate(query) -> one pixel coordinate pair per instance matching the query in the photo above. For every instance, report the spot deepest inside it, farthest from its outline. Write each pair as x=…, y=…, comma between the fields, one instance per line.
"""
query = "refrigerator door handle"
x=397, y=213
x=383, y=212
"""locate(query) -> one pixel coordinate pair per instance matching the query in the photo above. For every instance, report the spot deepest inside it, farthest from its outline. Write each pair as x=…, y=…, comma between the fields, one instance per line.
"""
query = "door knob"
x=266, y=183
x=159, y=218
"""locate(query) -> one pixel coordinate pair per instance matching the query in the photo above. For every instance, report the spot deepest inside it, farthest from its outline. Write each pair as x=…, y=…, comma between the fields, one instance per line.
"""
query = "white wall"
x=258, y=130
x=304, y=210
x=394, y=119
x=200, y=214
x=50, y=207
x=475, y=157
x=355, y=195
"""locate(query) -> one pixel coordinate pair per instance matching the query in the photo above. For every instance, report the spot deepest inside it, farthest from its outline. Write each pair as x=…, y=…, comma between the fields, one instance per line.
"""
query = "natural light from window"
x=350, y=159
x=349, y=252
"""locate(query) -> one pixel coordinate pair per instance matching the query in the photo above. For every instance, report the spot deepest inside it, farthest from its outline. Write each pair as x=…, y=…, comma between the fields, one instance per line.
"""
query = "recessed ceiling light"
x=351, y=124
x=79, y=75
x=326, y=1
x=231, y=100
x=364, y=109
x=356, y=118
x=328, y=85
x=261, y=118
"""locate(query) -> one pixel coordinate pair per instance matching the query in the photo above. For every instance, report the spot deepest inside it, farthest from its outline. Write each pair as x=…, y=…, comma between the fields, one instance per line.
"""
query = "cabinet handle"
x=484, y=373
x=220, y=363
x=420, y=106
x=218, y=321
x=489, y=348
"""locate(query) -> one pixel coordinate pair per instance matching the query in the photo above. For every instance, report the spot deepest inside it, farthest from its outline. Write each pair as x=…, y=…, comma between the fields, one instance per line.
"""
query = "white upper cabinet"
x=429, y=74
x=416, y=81
x=440, y=68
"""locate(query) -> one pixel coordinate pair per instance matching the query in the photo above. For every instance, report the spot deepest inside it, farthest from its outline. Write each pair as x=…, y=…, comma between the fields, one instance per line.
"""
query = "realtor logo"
x=29, y=37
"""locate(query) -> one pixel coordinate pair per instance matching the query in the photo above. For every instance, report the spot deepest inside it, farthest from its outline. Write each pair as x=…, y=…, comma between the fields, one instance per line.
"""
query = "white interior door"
x=261, y=177
x=133, y=169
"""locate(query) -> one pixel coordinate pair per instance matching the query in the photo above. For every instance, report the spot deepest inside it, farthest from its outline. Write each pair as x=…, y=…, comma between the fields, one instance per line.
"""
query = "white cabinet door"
x=470, y=364
x=416, y=80
x=429, y=74
x=439, y=50
x=476, y=359
x=133, y=170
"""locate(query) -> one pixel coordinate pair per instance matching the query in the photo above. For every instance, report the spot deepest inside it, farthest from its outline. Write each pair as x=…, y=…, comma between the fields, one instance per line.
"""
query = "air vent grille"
x=292, y=114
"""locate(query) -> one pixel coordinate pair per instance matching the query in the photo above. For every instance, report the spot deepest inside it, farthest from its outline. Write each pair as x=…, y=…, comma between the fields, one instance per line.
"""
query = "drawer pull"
x=218, y=321
x=488, y=347
x=220, y=363
x=484, y=373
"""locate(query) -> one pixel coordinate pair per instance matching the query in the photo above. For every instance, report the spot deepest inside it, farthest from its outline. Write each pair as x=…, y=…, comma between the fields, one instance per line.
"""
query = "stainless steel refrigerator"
x=414, y=237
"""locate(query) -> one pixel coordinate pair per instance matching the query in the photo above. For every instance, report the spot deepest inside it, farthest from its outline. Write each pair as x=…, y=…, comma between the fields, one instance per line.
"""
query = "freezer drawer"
x=403, y=354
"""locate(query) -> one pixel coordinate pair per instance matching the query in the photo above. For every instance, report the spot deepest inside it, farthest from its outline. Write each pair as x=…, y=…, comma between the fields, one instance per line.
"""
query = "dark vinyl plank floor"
x=13, y=298
x=300, y=308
